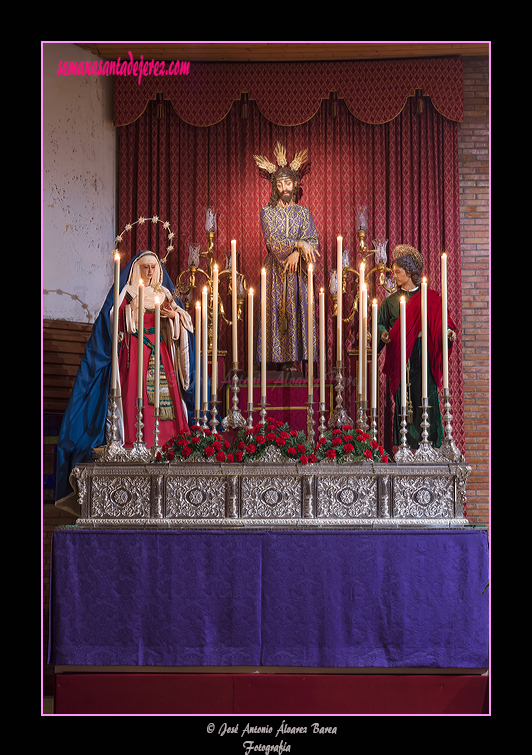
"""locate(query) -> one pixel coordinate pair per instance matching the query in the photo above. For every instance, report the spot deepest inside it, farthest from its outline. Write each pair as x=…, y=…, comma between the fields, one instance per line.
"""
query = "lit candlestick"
x=263, y=333
x=374, y=351
x=445, y=343
x=116, y=313
x=234, y=301
x=322, y=346
x=250, y=346
x=215, y=331
x=310, y=331
x=140, y=334
x=403, y=351
x=361, y=342
x=157, y=356
x=204, y=334
x=197, y=381
x=364, y=342
x=339, y=299
x=424, y=339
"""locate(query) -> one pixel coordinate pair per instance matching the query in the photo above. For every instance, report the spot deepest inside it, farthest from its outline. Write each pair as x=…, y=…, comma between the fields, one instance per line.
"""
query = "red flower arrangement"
x=342, y=445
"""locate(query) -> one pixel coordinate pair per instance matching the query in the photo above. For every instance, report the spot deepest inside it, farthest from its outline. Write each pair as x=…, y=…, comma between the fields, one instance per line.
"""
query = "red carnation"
x=241, y=445
x=292, y=451
x=238, y=456
x=303, y=459
x=181, y=442
x=195, y=440
x=186, y=451
x=220, y=456
x=385, y=459
x=293, y=433
x=368, y=454
x=260, y=439
x=271, y=436
x=301, y=448
x=336, y=441
x=347, y=438
x=227, y=444
x=250, y=449
x=280, y=441
x=313, y=459
x=230, y=458
x=374, y=444
x=345, y=428
x=348, y=448
x=284, y=434
x=209, y=451
x=170, y=455
x=217, y=445
x=331, y=453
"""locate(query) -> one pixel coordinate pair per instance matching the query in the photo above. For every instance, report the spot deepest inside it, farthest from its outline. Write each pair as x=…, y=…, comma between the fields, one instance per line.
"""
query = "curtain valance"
x=289, y=94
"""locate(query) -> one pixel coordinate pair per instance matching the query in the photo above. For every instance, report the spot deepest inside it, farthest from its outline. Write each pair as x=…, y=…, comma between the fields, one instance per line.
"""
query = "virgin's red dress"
x=128, y=367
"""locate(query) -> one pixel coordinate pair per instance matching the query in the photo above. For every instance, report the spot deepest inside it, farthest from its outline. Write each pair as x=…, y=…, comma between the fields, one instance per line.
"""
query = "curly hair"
x=410, y=260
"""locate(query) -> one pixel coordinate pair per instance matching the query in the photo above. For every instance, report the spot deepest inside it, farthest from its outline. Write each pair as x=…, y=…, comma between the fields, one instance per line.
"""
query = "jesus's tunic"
x=282, y=227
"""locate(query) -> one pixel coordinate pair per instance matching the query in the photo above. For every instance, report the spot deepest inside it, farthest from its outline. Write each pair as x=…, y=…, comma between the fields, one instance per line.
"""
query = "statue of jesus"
x=292, y=242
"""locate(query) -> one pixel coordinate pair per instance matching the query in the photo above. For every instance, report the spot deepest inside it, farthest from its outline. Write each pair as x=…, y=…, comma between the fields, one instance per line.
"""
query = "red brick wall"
x=473, y=143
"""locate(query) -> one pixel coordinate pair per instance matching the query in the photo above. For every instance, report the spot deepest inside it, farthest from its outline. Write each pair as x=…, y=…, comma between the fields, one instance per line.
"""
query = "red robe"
x=392, y=364
x=128, y=367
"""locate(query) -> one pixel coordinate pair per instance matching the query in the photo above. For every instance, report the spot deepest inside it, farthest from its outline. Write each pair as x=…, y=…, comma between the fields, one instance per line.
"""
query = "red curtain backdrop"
x=404, y=170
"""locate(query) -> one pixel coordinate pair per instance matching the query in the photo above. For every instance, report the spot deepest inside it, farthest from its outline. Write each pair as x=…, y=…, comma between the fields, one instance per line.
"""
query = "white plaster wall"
x=78, y=185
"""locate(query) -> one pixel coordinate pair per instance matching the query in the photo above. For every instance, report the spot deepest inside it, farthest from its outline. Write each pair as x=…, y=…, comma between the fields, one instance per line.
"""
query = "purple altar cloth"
x=388, y=599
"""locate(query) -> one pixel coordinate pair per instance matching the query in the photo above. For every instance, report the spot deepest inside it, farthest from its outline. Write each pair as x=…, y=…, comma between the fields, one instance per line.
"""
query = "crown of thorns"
x=270, y=171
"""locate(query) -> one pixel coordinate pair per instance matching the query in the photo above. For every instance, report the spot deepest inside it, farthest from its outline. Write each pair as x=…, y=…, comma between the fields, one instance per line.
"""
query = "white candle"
x=204, y=334
x=157, y=350
x=263, y=333
x=361, y=343
x=198, y=360
x=322, y=346
x=403, y=351
x=215, y=331
x=364, y=342
x=140, y=334
x=445, y=343
x=234, y=301
x=424, y=339
x=310, y=331
x=374, y=350
x=250, y=346
x=339, y=299
x=116, y=313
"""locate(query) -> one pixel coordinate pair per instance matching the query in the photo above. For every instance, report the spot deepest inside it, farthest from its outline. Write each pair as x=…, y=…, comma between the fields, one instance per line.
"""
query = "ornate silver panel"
x=271, y=497
x=120, y=497
x=194, y=496
x=423, y=497
x=347, y=497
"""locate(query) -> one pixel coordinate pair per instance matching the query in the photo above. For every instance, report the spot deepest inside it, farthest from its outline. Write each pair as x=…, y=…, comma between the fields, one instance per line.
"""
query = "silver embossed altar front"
x=271, y=494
